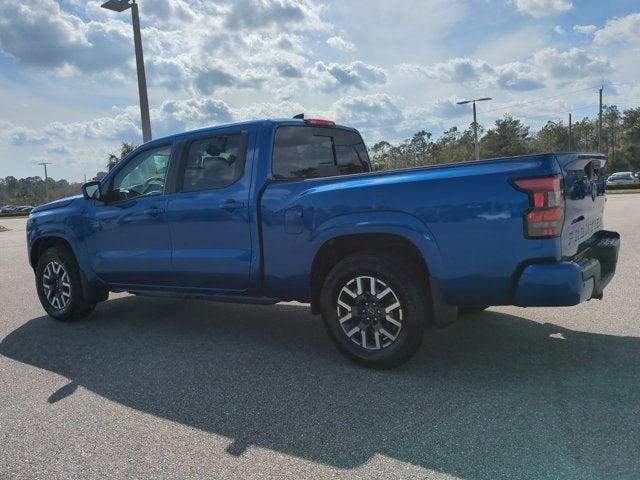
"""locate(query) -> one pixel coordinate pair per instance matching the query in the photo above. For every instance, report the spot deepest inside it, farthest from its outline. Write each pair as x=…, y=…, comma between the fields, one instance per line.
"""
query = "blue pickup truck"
x=284, y=210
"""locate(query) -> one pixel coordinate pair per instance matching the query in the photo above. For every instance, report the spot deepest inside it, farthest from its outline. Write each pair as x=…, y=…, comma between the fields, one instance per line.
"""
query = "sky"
x=68, y=90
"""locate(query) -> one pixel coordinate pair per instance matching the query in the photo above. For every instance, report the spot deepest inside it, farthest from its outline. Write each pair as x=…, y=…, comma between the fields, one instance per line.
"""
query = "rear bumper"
x=572, y=281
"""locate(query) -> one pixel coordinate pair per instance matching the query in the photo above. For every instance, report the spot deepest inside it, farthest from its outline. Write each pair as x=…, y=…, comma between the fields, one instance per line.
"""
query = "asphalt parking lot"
x=150, y=388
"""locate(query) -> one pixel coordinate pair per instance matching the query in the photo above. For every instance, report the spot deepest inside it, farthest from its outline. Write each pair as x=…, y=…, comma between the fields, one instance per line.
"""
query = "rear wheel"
x=59, y=286
x=375, y=308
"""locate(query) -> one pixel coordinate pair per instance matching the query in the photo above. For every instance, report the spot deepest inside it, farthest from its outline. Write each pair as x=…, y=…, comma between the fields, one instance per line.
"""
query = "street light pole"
x=142, y=79
x=121, y=6
x=475, y=122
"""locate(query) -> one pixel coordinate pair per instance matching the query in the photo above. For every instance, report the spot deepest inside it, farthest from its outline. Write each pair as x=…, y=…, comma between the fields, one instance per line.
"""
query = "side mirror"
x=91, y=190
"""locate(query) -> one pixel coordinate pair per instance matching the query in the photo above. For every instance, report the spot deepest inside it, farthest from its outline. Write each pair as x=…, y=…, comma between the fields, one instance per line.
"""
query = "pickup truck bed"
x=465, y=218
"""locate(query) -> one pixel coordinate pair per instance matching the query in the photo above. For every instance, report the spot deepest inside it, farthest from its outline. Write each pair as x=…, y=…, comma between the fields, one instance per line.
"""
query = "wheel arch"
x=339, y=247
x=41, y=244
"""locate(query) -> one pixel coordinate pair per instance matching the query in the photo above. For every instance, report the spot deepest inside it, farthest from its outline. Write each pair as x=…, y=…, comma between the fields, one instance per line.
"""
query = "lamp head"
x=116, y=5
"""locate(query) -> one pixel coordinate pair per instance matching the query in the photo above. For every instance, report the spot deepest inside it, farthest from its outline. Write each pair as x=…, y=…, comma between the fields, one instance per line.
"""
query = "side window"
x=145, y=174
x=308, y=152
x=349, y=161
x=364, y=155
x=214, y=162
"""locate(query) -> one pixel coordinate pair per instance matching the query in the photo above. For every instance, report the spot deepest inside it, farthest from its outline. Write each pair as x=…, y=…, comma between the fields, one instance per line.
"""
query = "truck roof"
x=260, y=122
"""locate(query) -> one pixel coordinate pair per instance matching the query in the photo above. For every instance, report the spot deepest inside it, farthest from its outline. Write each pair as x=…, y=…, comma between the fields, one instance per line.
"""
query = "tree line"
x=508, y=136
x=34, y=190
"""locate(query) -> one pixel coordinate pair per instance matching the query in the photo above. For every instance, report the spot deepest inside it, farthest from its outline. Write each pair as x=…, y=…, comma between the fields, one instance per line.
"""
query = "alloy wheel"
x=369, y=312
x=56, y=285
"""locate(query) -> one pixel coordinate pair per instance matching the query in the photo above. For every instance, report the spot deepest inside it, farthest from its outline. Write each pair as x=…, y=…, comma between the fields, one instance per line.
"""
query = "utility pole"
x=570, y=139
x=475, y=122
x=46, y=177
x=600, y=123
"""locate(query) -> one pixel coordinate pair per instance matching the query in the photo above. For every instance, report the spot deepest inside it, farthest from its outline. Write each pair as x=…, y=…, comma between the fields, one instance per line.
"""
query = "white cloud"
x=571, y=64
x=559, y=30
x=355, y=74
x=284, y=109
x=21, y=136
x=369, y=111
x=543, y=8
x=585, y=29
x=172, y=116
x=518, y=76
x=458, y=70
x=624, y=29
x=540, y=111
x=509, y=76
x=217, y=75
x=289, y=14
x=169, y=12
x=547, y=67
x=120, y=126
x=446, y=108
x=340, y=43
x=42, y=35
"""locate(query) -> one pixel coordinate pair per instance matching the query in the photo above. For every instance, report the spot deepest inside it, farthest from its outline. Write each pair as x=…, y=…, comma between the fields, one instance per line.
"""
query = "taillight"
x=546, y=198
x=320, y=122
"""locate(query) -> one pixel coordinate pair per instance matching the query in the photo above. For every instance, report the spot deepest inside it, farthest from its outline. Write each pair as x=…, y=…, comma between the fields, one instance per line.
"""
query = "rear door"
x=209, y=214
x=585, y=199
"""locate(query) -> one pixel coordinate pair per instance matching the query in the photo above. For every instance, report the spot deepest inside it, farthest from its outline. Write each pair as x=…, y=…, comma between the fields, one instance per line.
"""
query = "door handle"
x=231, y=205
x=153, y=211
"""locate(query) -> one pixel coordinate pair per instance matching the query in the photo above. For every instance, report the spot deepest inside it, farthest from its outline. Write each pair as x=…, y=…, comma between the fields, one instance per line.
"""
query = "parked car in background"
x=8, y=209
x=24, y=209
x=622, y=178
x=268, y=211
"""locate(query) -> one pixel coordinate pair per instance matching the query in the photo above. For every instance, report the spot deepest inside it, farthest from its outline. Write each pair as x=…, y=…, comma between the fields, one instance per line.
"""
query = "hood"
x=63, y=202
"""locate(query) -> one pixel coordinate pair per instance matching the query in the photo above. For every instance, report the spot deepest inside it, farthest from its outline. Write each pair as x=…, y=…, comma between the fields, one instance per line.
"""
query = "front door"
x=129, y=241
x=209, y=215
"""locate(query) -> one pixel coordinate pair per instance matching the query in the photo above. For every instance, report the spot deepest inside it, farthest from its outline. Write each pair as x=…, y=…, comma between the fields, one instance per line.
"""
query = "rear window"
x=312, y=152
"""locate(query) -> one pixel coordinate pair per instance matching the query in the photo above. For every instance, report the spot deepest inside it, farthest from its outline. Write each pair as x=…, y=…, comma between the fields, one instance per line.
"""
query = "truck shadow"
x=493, y=396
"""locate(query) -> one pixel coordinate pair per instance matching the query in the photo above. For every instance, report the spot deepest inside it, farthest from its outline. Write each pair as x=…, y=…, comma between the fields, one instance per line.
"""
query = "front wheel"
x=375, y=308
x=59, y=286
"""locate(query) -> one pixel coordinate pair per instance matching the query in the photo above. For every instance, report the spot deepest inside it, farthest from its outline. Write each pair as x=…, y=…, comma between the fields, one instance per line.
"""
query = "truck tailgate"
x=584, y=197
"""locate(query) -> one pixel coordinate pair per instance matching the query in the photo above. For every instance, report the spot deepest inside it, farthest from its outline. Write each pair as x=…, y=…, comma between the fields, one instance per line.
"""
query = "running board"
x=205, y=296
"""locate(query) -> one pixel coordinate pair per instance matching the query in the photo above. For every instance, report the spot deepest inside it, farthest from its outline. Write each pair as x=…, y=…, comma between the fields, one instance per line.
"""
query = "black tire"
x=79, y=301
x=471, y=310
x=408, y=285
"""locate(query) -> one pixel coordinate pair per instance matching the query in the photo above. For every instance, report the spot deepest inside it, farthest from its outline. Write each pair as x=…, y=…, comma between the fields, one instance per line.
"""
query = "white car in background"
x=622, y=178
